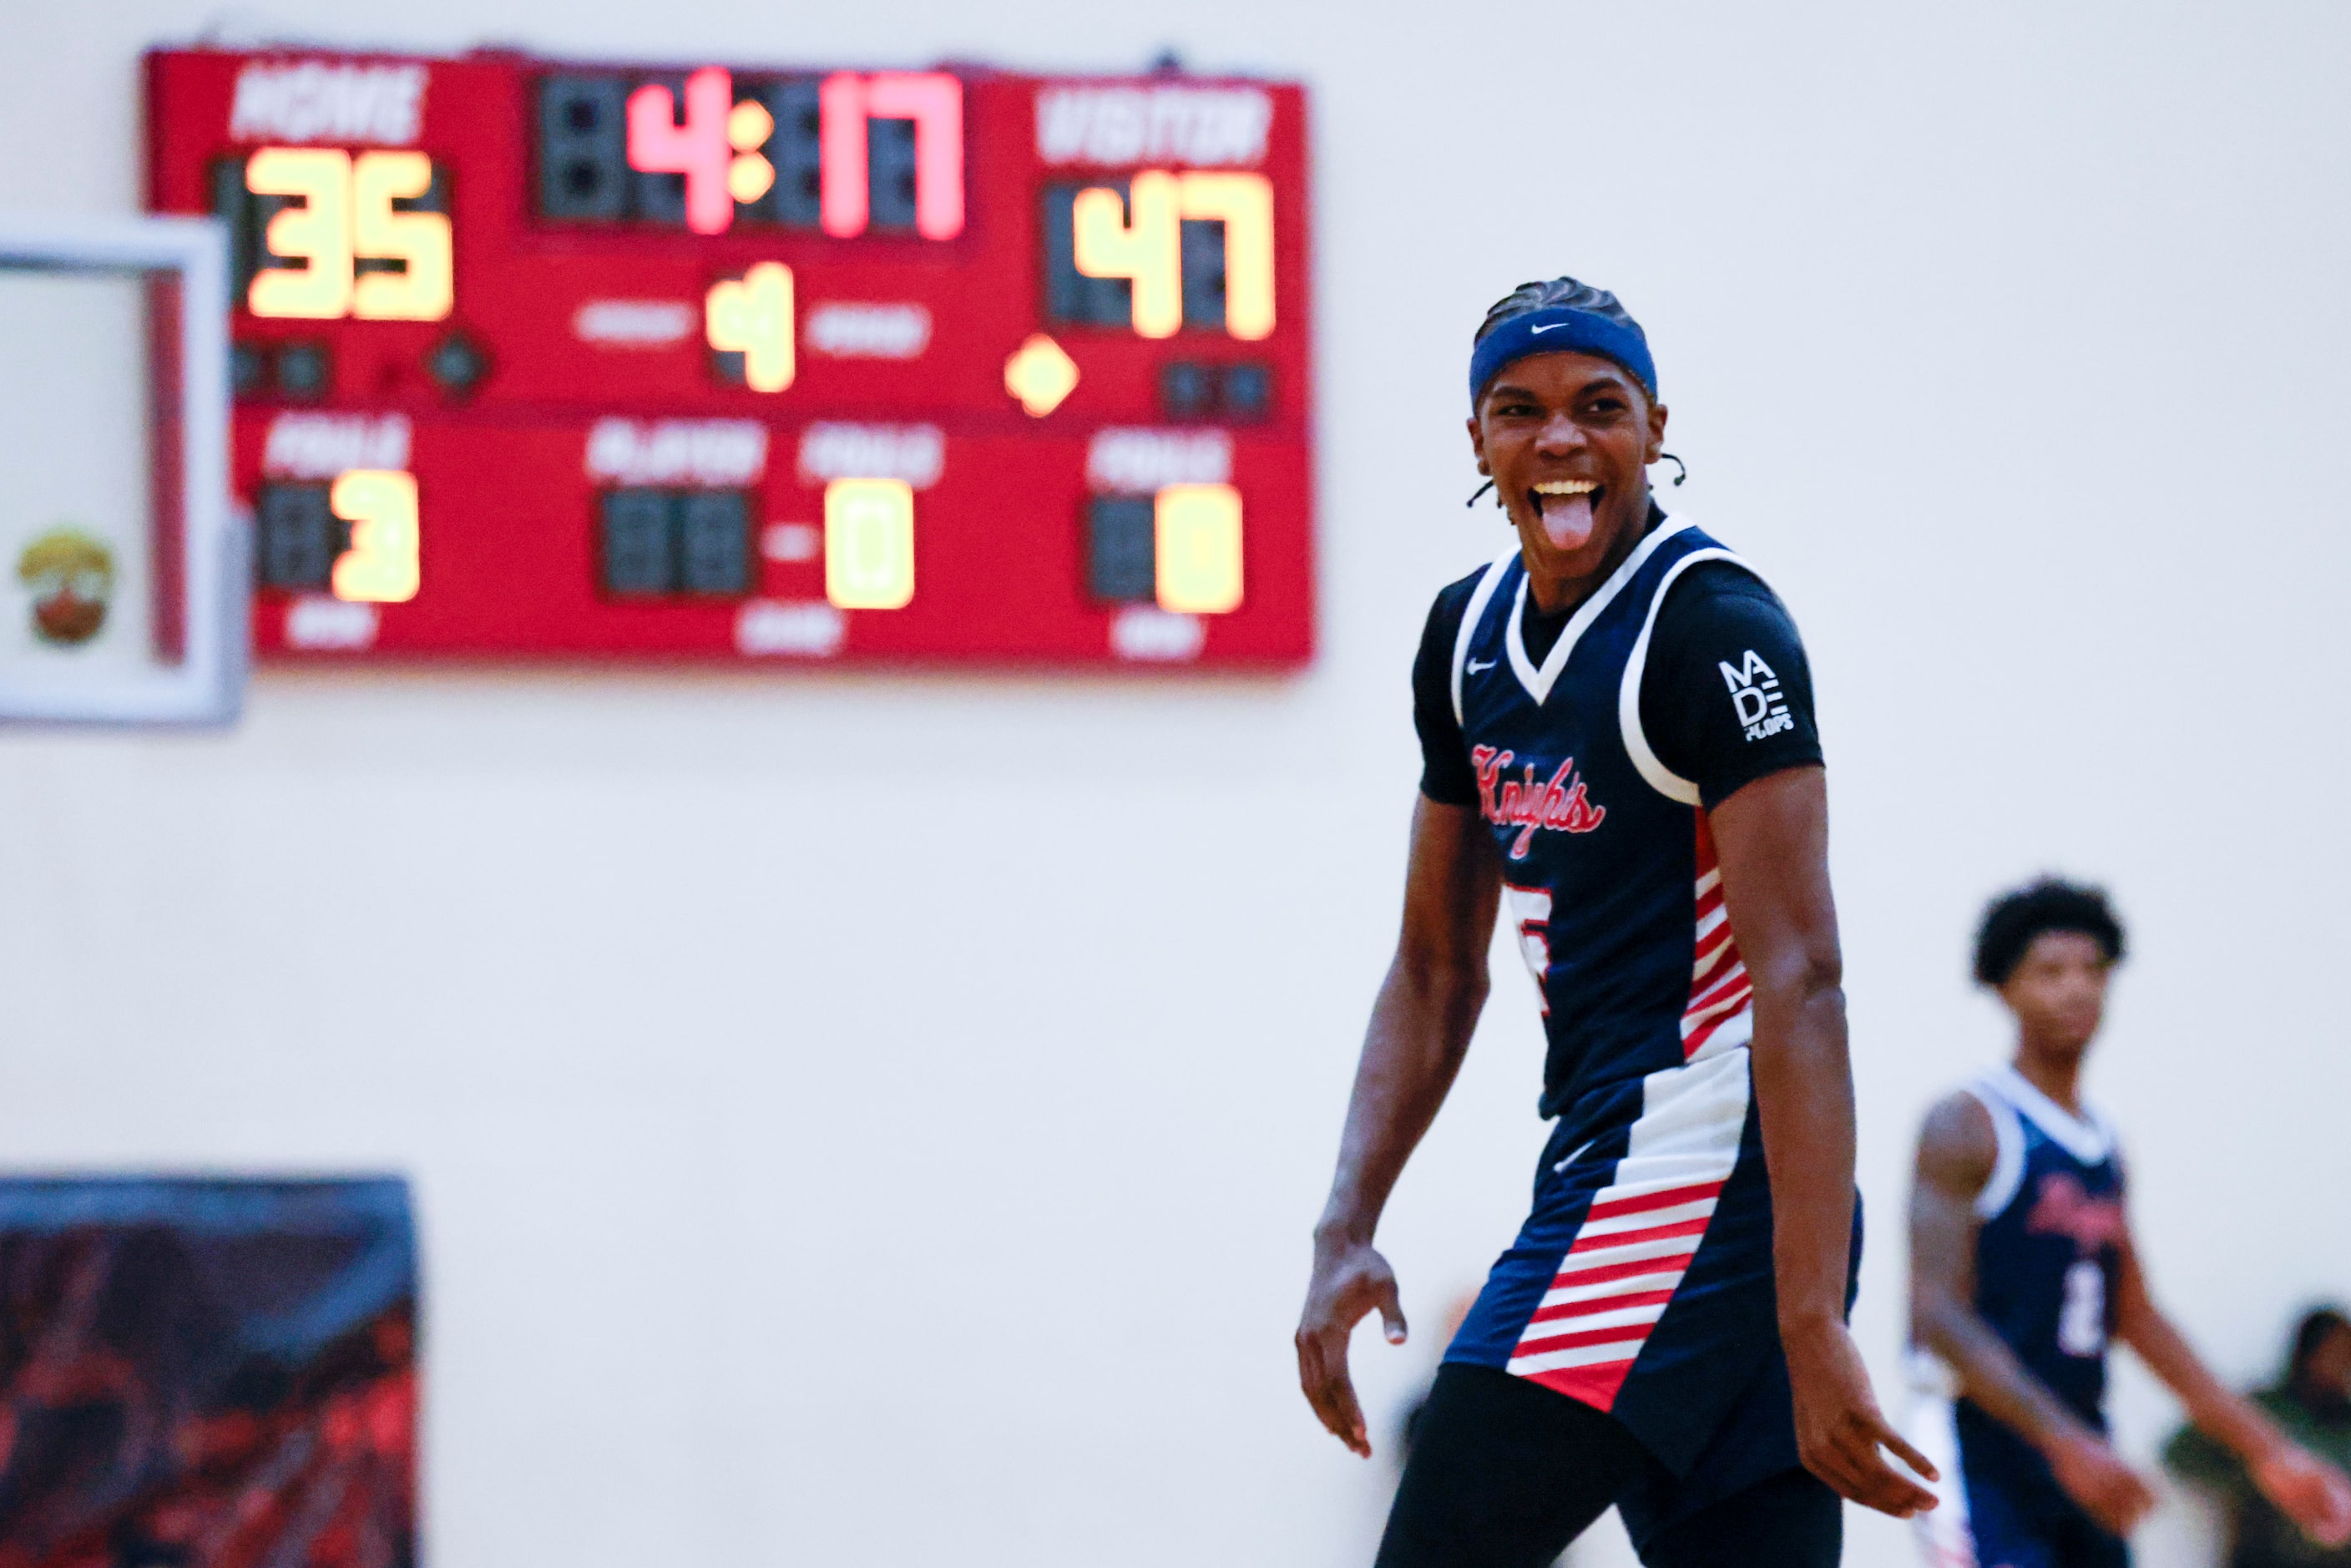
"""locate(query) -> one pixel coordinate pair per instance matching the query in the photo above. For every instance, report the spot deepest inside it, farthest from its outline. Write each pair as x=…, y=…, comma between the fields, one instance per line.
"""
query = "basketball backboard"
x=122, y=571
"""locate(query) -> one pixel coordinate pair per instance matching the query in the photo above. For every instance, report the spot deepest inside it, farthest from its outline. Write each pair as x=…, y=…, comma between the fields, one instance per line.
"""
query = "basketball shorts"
x=1641, y=1286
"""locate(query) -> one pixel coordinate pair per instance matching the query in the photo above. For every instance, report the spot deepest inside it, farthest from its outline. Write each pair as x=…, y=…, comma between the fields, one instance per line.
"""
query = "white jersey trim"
x=1661, y=778
x=1539, y=683
x=2007, y=1166
x=1480, y=597
x=2086, y=1137
x=1679, y=1154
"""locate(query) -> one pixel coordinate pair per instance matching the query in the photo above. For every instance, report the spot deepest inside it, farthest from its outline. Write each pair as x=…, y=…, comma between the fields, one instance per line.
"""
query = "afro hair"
x=2013, y=919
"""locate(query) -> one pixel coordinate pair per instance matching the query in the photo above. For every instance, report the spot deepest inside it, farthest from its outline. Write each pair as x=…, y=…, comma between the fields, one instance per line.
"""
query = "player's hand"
x=1839, y=1428
x=2093, y=1476
x=2308, y=1490
x=1350, y=1279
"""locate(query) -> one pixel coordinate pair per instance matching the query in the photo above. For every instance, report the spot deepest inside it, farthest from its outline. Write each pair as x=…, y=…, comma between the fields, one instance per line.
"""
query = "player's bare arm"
x=1421, y=1022
x=1957, y=1151
x=2307, y=1490
x=1772, y=837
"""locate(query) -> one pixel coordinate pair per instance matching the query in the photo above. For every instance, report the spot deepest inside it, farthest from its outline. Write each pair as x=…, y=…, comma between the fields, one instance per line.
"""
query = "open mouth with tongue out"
x=1565, y=507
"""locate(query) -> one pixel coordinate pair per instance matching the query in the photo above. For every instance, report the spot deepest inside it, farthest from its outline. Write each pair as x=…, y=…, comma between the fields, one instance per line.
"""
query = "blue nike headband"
x=1559, y=330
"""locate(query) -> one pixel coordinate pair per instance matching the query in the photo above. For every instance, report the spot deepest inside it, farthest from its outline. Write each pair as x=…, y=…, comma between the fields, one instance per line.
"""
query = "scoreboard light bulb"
x=748, y=125
x=1041, y=374
x=1146, y=251
x=750, y=177
x=1196, y=545
x=381, y=565
x=753, y=318
x=869, y=544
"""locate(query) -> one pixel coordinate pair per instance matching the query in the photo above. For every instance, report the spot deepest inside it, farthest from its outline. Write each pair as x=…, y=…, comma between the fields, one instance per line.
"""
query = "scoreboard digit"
x=336, y=245
x=558, y=359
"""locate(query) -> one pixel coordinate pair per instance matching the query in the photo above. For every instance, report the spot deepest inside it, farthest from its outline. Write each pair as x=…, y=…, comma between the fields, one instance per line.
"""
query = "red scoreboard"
x=542, y=358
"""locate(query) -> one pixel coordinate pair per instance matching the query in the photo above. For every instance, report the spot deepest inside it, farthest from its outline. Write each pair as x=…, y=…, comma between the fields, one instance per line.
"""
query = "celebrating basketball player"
x=2021, y=1271
x=1617, y=737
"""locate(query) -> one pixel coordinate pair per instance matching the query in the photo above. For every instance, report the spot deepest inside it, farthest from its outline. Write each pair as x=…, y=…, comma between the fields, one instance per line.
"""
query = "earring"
x=1678, y=463
x=1479, y=491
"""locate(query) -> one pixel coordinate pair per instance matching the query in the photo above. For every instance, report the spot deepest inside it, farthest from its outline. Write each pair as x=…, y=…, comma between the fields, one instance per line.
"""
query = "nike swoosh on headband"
x=1589, y=333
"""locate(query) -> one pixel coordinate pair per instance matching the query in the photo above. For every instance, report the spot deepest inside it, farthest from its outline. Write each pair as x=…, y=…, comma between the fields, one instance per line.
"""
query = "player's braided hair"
x=1570, y=293
x=2013, y=919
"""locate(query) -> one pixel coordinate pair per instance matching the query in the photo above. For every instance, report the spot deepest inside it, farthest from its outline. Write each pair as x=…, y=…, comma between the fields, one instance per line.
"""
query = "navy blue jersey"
x=1607, y=867
x=2048, y=1264
x=1641, y=1283
x=2049, y=1250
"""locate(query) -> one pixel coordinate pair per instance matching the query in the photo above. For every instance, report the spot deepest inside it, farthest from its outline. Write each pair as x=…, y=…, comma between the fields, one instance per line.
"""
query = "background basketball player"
x=2022, y=1271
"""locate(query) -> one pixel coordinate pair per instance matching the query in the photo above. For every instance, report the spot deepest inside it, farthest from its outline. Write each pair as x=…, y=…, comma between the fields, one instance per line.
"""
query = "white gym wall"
x=871, y=1120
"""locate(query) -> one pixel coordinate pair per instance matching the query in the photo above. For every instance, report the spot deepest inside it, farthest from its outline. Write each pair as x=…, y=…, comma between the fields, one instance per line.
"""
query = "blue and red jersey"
x=1641, y=1283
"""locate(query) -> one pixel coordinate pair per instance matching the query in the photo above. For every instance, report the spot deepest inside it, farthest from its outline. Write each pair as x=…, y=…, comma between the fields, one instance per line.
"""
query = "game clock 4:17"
x=844, y=155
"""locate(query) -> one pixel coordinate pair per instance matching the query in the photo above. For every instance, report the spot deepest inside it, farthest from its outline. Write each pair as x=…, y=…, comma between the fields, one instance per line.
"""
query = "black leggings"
x=1504, y=1473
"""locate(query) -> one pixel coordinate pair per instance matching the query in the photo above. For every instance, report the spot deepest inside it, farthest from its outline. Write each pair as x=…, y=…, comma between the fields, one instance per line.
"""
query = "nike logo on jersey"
x=1755, y=695
x=1474, y=667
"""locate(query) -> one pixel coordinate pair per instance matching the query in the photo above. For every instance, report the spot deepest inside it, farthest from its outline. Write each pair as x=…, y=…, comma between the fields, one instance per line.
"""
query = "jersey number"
x=2082, y=1322
x=1530, y=910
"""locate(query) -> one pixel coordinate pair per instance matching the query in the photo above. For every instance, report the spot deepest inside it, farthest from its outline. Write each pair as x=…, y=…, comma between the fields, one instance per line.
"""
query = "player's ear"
x=1477, y=445
x=1656, y=433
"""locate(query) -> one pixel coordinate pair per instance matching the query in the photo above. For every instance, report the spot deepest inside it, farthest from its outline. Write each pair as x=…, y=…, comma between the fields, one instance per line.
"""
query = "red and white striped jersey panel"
x=1721, y=1010
x=1636, y=1241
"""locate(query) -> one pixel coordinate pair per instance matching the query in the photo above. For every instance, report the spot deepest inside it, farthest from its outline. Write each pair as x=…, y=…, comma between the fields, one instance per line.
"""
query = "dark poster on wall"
x=207, y=1373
